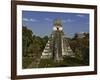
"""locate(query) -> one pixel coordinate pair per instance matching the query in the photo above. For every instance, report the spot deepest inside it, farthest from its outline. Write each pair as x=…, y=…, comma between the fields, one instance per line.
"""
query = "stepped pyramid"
x=57, y=46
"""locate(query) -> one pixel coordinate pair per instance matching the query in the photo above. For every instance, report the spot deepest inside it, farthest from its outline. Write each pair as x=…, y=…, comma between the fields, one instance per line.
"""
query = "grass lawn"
x=67, y=61
x=46, y=63
x=26, y=61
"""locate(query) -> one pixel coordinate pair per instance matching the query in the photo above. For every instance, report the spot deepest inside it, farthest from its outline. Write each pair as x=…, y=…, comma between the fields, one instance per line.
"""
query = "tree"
x=80, y=46
x=26, y=39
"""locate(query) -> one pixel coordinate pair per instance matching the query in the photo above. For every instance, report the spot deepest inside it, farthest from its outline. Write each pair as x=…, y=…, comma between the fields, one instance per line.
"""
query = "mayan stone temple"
x=57, y=46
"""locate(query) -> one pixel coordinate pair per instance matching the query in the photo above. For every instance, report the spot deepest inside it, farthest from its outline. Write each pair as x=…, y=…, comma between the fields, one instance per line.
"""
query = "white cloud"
x=48, y=19
x=33, y=20
x=25, y=19
x=64, y=21
x=80, y=15
x=67, y=20
x=29, y=20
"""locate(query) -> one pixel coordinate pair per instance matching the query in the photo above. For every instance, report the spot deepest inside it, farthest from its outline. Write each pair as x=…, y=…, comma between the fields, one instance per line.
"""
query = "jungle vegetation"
x=33, y=45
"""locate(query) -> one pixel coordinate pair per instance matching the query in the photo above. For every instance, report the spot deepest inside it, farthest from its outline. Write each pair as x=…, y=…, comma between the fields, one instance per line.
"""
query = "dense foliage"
x=33, y=46
x=80, y=46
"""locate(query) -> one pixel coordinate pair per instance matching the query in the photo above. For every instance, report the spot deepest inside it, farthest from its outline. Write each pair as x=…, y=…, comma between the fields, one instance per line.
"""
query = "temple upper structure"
x=57, y=46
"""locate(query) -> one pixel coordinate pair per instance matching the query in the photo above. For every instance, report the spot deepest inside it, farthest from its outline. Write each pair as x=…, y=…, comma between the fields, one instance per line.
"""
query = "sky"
x=41, y=23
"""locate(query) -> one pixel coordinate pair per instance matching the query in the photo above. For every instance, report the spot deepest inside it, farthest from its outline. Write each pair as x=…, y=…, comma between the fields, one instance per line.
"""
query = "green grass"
x=71, y=61
x=68, y=61
x=26, y=61
x=46, y=63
